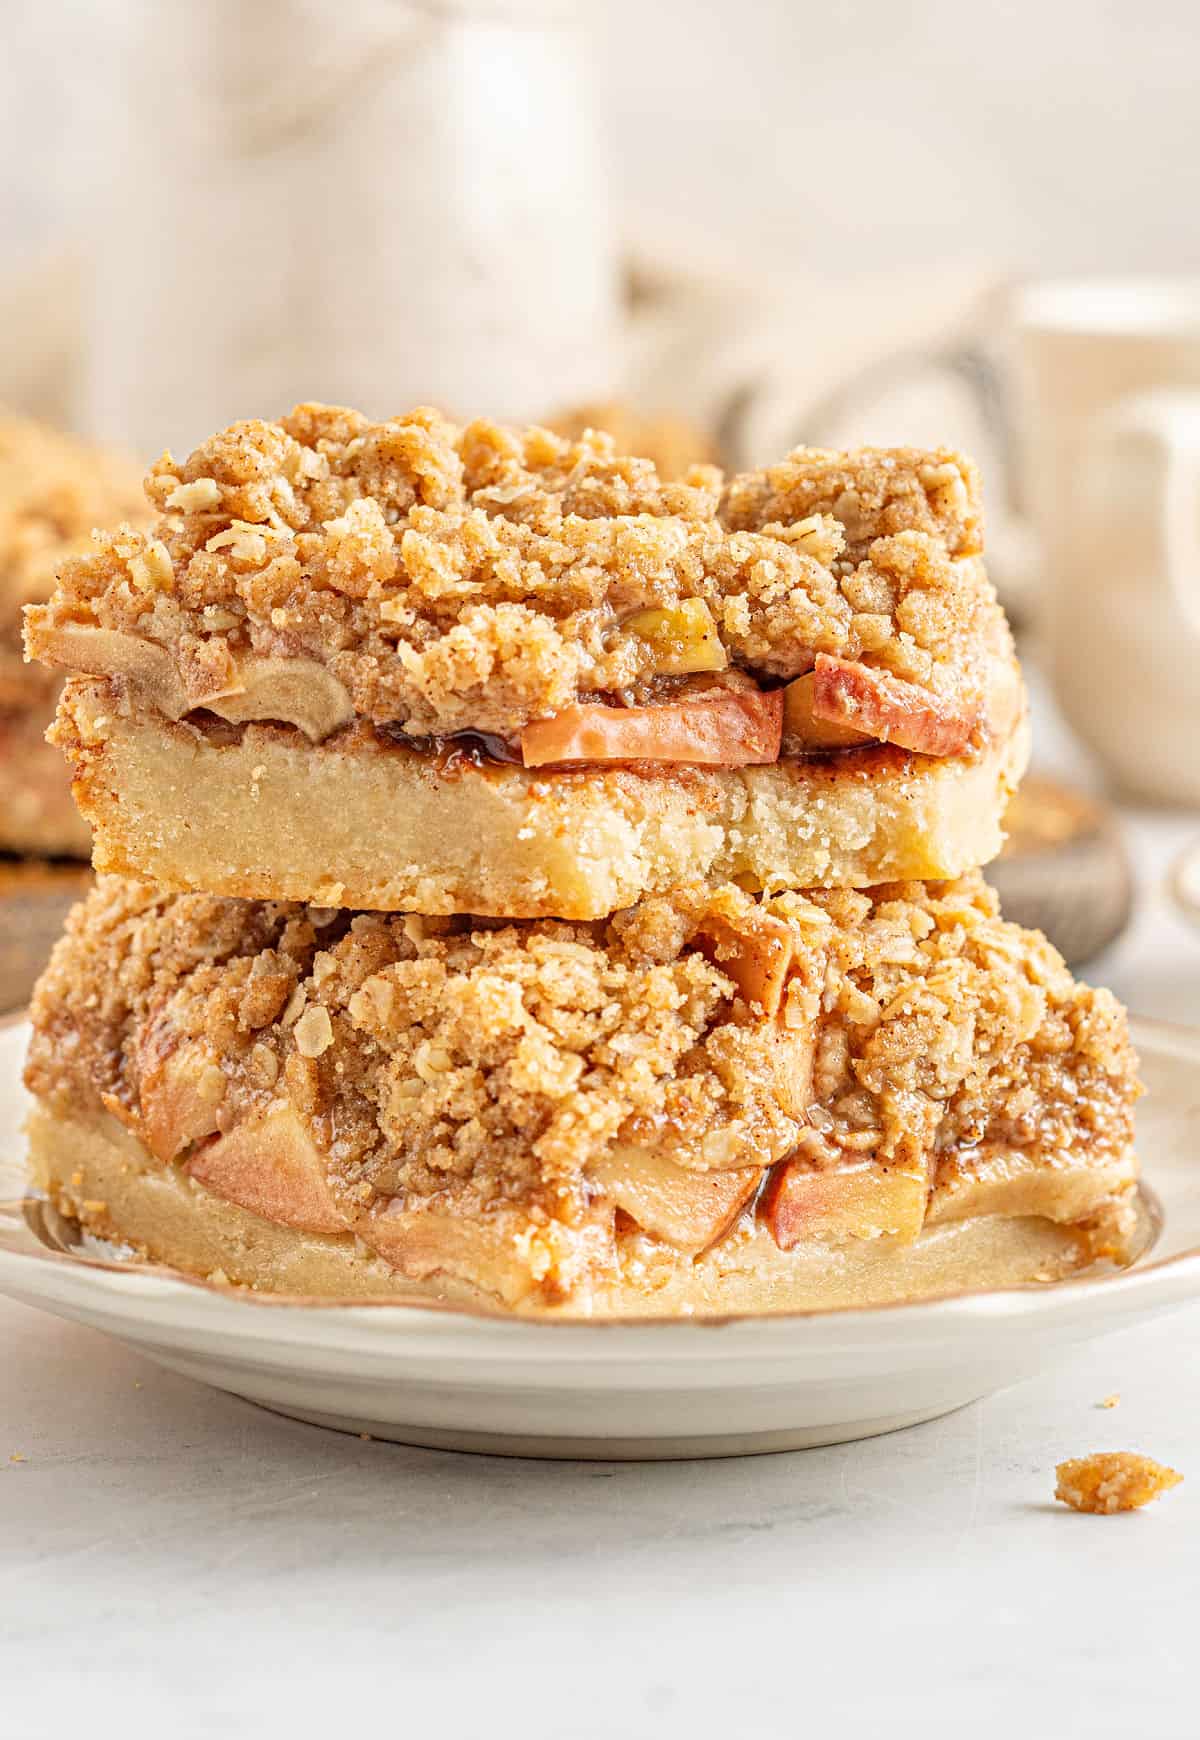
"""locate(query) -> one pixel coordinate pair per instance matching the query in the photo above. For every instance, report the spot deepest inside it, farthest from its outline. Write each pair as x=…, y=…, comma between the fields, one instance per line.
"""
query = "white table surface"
x=173, y=1559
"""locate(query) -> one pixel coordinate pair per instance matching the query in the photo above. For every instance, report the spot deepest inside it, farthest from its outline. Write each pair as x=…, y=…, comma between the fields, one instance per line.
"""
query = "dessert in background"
x=1064, y=867
x=36, y=895
x=671, y=444
x=53, y=490
x=707, y=1102
x=411, y=666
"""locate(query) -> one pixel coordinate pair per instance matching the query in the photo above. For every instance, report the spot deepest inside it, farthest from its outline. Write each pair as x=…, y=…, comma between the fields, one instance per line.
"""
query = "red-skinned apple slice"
x=729, y=728
x=690, y=1210
x=880, y=705
x=860, y=1202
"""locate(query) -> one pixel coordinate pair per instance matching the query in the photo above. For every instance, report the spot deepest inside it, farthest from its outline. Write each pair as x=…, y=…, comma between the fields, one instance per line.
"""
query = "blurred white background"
x=1036, y=135
x=1043, y=135
x=209, y=210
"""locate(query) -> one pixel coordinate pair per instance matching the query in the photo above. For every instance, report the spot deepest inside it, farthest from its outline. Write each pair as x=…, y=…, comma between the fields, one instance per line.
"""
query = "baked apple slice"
x=727, y=728
x=805, y=731
x=180, y=1091
x=855, y=1202
x=298, y=692
x=147, y=667
x=270, y=1165
x=682, y=638
x=687, y=1209
x=1012, y=1181
x=756, y=955
x=854, y=695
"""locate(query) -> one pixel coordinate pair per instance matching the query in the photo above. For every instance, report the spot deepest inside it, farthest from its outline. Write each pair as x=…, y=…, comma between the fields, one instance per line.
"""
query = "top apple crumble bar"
x=554, y=601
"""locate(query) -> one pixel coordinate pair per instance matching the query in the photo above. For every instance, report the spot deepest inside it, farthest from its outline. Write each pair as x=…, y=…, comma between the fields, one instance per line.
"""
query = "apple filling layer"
x=538, y=1113
x=726, y=720
x=548, y=596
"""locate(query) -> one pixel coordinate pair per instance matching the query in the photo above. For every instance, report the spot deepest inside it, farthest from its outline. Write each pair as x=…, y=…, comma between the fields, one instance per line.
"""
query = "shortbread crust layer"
x=546, y=1116
x=361, y=820
x=100, y=1176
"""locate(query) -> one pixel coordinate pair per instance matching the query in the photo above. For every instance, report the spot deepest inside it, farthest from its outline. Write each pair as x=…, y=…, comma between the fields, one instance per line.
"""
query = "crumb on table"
x=1112, y=1401
x=1112, y=1480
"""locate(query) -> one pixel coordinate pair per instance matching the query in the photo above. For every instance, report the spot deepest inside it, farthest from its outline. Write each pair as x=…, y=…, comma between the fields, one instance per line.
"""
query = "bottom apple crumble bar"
x=707, y=1102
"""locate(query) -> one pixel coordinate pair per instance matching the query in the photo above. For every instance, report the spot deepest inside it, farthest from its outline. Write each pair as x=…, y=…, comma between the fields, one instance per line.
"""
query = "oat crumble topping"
x=479, y=578
x=947, y=1029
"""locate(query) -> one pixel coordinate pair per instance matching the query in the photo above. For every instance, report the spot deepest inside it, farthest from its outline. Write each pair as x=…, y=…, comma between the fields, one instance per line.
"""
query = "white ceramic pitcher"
x=374, y=204
x=1111, y=441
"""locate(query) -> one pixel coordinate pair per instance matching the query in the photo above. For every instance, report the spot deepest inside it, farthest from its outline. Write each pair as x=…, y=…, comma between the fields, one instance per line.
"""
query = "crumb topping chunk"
x=1109, y=1481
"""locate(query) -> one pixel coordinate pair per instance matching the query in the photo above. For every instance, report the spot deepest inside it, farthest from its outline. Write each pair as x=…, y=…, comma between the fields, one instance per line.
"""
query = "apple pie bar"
x=53, y=490
x=410, y=666
x=673, y=444
x=708, y=1102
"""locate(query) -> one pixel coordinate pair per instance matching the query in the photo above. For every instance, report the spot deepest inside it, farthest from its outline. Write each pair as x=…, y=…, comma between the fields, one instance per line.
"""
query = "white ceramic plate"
x=677, y=1388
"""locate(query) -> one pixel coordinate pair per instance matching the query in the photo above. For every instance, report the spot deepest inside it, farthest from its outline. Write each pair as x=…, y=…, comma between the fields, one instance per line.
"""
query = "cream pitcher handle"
x=1139, y=498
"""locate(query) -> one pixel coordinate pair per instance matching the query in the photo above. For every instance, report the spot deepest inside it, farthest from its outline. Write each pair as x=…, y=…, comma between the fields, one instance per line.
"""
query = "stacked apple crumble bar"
x=534, y=882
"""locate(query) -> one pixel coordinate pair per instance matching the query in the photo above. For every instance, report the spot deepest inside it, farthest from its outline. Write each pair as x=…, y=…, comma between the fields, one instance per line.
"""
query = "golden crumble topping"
x=947, y=1031
x=53, y=490
x=481, y=1062
x=480, y=578
x=1112, y=1480
x=872, y=493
